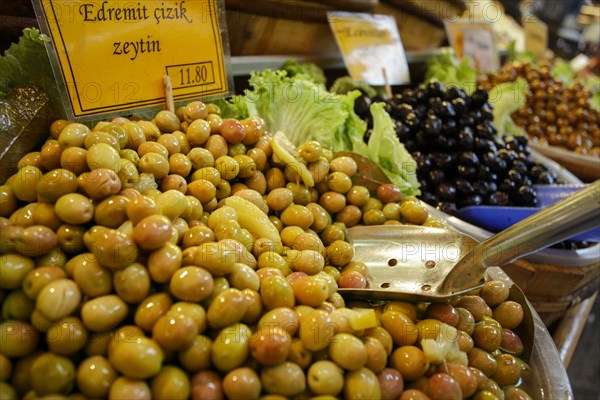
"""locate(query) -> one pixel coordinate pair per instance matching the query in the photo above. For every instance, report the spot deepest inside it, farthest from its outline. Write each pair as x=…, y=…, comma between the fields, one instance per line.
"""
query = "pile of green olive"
x=189, y=257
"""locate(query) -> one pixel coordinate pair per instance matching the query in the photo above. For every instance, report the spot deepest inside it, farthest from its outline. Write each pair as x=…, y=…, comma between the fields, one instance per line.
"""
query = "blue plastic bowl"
x=496, y=218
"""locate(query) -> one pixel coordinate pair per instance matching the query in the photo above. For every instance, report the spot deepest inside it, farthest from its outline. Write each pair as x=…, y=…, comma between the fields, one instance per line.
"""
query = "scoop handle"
x=570, y=216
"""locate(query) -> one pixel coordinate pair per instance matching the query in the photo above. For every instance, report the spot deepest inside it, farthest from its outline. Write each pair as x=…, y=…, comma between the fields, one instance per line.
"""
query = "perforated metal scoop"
x=437, y=265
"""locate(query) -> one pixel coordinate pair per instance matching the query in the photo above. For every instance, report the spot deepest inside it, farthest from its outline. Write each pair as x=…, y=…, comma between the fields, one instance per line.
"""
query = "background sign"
x=370, y=43
x=112, y=56
x=476, y=40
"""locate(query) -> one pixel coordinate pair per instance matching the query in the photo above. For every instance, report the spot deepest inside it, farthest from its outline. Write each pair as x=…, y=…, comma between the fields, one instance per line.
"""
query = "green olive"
x=58, y=299
x=112, y=211
x=100, y=183
x=230, y=348
x=317, y=330
x=35, y=241
x=167, y=121
x=13, y=269
x=93, y=279
x=275, y=292
x=164, y=262
x=112, y=248
x=138, y=359
x=25, y=183
x=95, y=375
x=171, y=383
x=73, y=135
x=174, y=331
x=129, y=389
x=103, y=313
x=196, y=356
x=55, y=184
x=67, y=336
x=19, y=338
x=286, y=379
x=103, y=155
x=325, y=378
x=5, y=368
x=191, y=283
x=8, y=201
x=242, y=383
x=362, y=384
x=52, y=374
x=132, y=284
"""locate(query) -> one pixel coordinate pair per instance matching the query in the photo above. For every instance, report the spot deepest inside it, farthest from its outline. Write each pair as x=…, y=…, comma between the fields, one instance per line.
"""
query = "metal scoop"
x=436, y=265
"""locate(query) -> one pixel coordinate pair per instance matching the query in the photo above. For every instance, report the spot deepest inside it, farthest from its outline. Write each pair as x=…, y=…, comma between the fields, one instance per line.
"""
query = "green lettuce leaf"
x=308, y=71
x=391, y=155
x=301, y=108
x=26, y=63
x=346, y=84
x=448, y=70
x=508, y=98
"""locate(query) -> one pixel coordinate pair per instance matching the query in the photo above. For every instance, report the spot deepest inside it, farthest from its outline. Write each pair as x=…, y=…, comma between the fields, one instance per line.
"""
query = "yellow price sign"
x=112, y=56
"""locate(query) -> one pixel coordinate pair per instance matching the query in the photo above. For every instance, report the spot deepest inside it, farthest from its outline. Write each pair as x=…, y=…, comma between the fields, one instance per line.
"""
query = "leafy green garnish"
x=346, y=84
x=391, y=155
x=448, y=70
x=508, y=98
x=308, y=71
x=27, y=63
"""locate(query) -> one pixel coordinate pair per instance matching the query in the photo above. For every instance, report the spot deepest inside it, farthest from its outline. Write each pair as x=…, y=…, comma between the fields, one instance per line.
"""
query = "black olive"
x=441, y=141
x=479, y=97
x=465, y=139
x=520, y=167
x=446, y=191
x=361, y=106
x=402, y=131
x=460, y=105
x=421, y=138
x=432, y=125
x=484, y=145
x=515, y=177
x=449, y=127
x=411, y=120
x=545, y=178
x=436, y=88
x=506, y=185
x=421, y=94
x=444, y=109
x=429, y=197
x=466, y=120
x=410, y=145
x=468, y=158
x=466, y=201
x=423, y=164
x=454, y=92
x=442, y=161
x=496, y=164
x=401, y=112
x=481, y=187
x=484, y=172
x=451, y=143
x=466, y=171
x=447, y=207
x=463, y=186
x=526, y=196
x=498, y=199
x=436, y=176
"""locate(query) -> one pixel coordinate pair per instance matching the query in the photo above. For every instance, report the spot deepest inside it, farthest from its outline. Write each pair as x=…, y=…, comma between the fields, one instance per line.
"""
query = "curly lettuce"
x=385, y=149
x=447, y=69
x=508, y=98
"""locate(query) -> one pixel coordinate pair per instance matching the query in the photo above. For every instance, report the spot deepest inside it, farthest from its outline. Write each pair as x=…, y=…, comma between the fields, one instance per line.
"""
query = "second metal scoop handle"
x=570, y=216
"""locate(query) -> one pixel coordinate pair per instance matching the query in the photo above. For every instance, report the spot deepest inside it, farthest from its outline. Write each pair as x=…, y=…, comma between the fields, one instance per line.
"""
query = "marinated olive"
x=286, y=379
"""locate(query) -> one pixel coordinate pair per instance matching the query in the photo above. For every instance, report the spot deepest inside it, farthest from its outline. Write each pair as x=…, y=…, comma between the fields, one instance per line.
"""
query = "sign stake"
x=169, y=93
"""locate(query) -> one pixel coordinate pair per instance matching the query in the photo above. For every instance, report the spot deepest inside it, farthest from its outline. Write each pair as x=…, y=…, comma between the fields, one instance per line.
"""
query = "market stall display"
x=220, y=258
